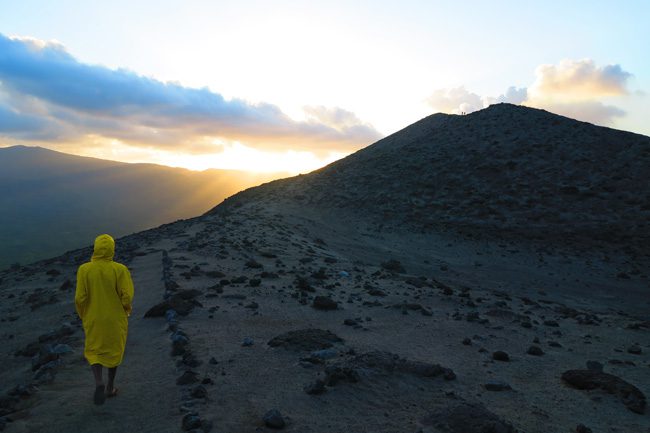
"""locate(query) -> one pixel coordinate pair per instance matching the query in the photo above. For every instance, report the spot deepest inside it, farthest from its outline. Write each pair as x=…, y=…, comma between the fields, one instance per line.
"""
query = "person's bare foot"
x=111, y=393
x=99, y=396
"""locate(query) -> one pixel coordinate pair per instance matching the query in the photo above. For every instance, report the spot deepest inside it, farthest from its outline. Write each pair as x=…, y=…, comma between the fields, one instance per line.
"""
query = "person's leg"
x=97, y=372
x=110, y=387
x=99, y=396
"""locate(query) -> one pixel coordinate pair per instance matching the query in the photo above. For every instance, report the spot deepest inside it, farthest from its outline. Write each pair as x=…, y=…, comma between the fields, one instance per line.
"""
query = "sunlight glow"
x=232, y=156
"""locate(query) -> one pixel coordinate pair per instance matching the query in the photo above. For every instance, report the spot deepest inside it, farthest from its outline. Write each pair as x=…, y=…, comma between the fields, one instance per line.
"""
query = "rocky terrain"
x=317, y=305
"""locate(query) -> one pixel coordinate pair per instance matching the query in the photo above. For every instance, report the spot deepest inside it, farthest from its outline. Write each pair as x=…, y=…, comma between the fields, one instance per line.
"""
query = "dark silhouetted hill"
x=505, y=171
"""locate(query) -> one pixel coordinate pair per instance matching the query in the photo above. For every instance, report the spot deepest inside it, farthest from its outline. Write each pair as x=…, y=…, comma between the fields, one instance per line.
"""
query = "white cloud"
x=574, y=88
x=455, y=100
x=579, y=80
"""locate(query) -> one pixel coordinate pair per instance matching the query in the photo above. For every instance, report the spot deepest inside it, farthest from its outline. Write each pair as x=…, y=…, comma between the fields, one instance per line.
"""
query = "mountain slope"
x=52, y=202
x=506, y=170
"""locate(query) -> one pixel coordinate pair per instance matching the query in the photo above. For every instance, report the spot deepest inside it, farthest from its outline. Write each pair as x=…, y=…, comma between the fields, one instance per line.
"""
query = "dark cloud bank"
x=47, y=95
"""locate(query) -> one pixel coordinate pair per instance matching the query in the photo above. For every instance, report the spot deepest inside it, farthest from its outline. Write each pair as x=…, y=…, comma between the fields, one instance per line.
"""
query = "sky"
x=291, y=86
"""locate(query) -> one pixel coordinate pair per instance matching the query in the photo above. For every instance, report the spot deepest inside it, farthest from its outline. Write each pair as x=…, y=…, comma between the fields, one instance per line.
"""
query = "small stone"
x=495, y=385
x=187, y=378
x=324, y=354
x=213, y=361
x=635, y=349
x=273, y=419
x=247, y=342
x=253, y=264
x=467, y=341
x=350, y=322
x=551, y=323
x=171, y=315
x=500, y=355
x=535, y=351
x=191, y=421
x=199, y=391
x=62, y=349
x=594, y=365
x=581, y=428
x=315, y=388
x=324, y=303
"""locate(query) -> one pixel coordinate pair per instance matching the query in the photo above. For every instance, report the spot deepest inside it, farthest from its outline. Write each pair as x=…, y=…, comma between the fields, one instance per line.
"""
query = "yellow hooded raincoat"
x=103, y=301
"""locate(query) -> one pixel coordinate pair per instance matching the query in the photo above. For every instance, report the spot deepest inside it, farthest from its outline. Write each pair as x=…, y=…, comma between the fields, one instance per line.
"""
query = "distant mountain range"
x=52, y=202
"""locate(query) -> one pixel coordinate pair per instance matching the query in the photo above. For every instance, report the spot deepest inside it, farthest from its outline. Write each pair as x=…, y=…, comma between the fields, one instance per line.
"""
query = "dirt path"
x=147, y=401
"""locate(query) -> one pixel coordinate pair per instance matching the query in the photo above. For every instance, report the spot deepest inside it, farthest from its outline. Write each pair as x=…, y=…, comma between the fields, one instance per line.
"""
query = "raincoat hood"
x=104, y=248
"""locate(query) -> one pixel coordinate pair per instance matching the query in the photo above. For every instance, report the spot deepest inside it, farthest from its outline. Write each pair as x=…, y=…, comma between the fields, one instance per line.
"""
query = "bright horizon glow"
x=290, y=87
x=235, y=156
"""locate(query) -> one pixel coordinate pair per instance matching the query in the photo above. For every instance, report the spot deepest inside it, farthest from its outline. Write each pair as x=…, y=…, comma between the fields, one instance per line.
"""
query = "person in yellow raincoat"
x=103, y=301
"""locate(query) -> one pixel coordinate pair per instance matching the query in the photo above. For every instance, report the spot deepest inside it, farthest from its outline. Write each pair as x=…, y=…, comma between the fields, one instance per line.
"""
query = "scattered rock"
x=500, y=355
x=393, y=265
x=187, y=378
x=324, y=354
x=535, y=351
x=253, y=264
x=462, y=417
x=239, y=280
x=273, y=419
x=63, y=331
x=635, y=349
x=324, y=303
x=247, y=342
x=496, y=385
x=192, y=422
x=302, y=283
x=44, y=356
x=376, y=292
x=305, y=339
x=315, y=388
x=181, y=302
x=581, y=428
x=467, y=341
x=8, y=404
x=631, y=396
x=381, y=362
x=199, y=391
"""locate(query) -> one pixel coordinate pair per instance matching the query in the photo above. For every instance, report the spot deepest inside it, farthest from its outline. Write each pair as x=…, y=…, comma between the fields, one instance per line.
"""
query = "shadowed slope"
x=507, y=171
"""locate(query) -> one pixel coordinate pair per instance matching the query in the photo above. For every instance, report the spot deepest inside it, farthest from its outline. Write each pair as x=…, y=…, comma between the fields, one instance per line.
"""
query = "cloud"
x=346, y=122
x=41, y=82
x=512, y=96
x=455, y=100
x=579, y=79
x=573, y=88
